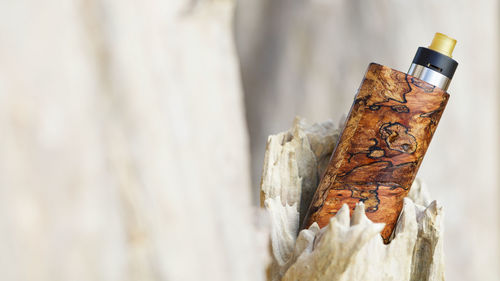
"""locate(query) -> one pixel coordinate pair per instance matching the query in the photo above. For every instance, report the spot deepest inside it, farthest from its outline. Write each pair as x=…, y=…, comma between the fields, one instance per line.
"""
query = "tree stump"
x=348, y=248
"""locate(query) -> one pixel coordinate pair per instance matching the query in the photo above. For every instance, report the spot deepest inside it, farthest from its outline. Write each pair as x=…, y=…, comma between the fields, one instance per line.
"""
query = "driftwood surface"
x=347, y=248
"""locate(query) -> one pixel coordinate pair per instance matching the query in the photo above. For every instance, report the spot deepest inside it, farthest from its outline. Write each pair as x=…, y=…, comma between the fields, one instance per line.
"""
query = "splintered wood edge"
x=308, y=259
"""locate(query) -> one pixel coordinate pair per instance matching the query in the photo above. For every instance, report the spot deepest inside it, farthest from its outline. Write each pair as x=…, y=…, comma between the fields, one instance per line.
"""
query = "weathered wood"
x=348, y=248
x=382, y=145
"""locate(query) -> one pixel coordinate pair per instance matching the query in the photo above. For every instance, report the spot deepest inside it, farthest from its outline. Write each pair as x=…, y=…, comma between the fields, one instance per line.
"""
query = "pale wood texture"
x=124, y=152
x=347, y=248
x=308, y=57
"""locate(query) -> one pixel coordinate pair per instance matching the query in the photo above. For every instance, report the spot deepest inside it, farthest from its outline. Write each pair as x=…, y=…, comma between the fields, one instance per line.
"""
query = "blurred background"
x=132, y=133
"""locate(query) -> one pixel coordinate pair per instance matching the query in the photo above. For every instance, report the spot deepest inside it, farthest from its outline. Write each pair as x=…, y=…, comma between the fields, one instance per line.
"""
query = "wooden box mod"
x=386, y=135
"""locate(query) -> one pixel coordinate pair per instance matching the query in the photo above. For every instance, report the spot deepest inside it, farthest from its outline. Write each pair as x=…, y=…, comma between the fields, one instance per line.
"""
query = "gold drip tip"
x=443, y=44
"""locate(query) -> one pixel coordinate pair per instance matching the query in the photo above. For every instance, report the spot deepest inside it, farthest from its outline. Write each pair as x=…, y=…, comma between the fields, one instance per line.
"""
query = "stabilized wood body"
x=382, y=145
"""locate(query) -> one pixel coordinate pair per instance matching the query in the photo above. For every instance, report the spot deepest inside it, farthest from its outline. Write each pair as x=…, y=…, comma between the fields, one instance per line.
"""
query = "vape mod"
x=385, y=137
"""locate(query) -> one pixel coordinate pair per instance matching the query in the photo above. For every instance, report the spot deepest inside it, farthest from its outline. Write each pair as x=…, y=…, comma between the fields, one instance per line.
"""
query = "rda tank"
x=385, y=137
x=434, y=65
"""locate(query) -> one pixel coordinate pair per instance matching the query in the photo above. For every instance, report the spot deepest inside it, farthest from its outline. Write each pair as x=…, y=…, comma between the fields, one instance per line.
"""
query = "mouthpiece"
x=443, y=44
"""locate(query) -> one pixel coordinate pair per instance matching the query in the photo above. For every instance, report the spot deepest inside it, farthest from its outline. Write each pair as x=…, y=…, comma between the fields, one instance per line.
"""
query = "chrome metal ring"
x=430, y=76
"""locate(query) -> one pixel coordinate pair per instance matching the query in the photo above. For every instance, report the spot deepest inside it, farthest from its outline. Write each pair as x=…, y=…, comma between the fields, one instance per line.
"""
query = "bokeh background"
x=132, y=133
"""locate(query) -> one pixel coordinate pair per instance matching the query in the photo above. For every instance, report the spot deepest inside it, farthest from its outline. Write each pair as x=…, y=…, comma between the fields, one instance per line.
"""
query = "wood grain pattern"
x=386, y=135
